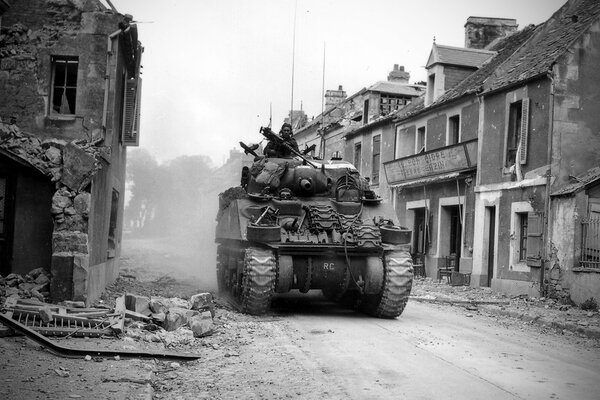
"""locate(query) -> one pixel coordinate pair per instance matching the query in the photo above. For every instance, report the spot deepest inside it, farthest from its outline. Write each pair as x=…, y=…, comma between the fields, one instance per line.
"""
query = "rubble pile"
x=173, y=322
x=36, y=284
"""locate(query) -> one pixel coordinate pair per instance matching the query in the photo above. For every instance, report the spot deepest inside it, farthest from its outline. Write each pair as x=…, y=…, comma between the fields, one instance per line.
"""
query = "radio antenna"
x=270, y=114
x=322, y=147
x=293, y=59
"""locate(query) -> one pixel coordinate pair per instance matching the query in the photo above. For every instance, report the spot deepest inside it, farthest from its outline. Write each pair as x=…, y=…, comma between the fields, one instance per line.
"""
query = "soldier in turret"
x=281, y=148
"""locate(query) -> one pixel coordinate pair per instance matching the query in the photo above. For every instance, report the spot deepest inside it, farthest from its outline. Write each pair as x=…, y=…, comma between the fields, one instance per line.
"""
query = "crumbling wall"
x=71, y=166
x=32, y=32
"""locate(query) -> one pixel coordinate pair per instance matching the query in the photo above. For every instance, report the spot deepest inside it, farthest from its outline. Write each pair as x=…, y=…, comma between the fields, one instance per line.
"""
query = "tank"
x=301, y=223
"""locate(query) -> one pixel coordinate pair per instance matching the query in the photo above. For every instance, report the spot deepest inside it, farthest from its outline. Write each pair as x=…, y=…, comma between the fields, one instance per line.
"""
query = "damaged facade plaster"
x=64, y=67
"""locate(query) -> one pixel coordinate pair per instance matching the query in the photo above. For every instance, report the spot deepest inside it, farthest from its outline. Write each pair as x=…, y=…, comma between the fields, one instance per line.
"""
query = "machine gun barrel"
x=270, y=135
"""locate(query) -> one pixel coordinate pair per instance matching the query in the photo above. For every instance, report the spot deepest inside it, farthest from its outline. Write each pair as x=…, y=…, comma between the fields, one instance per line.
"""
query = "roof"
x=504, y=48
x=550, y=41
x=473, y=58
x=583, y=181
x=396, y=88
x=410, y=109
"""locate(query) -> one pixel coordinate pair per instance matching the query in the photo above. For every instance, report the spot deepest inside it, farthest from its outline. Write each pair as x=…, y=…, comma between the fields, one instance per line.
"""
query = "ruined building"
x=70, y=92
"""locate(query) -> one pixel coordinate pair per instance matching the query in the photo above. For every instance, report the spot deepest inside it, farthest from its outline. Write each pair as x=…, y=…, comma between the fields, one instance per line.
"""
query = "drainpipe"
x=547, y=219
x=109, y=54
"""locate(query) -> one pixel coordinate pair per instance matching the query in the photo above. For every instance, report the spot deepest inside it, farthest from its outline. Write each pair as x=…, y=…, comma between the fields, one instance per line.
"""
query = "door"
x=420, y=233
x=455, y=234
x=491, y=239
x=6, y=218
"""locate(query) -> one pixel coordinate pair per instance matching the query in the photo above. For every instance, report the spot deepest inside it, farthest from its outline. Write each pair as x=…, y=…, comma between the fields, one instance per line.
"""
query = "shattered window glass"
x=64, y=84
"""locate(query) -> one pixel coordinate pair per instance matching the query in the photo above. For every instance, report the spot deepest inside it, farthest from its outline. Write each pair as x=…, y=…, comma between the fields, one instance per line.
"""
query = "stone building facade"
x=71, y=87
x=503, y=166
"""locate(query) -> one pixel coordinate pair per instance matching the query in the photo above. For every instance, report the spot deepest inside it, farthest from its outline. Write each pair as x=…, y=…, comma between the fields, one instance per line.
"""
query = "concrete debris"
x=139, y=304
x=36, y=285
x=178, y=317
x=202, y=302
x=202, y=324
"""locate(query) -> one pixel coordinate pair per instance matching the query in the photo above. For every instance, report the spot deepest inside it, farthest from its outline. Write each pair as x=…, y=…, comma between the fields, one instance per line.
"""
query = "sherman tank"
x=301, y=223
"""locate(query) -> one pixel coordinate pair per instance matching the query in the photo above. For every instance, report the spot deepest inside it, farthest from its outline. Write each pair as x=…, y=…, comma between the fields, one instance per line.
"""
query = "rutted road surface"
x=312, y=349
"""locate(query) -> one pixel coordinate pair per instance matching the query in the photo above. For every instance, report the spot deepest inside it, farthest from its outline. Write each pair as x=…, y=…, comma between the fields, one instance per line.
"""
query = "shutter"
x=136, y=121
x=129, y=110
x=524, y=130
x=535, y=223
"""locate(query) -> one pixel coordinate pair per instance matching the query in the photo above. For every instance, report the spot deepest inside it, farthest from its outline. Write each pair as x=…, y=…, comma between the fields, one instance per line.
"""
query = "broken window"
x=376, y=158
x=453, y=129
x=64, y=84
x=516, y=139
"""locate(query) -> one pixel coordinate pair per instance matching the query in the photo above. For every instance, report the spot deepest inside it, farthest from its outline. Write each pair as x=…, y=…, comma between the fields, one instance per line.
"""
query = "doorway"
x=490, y=235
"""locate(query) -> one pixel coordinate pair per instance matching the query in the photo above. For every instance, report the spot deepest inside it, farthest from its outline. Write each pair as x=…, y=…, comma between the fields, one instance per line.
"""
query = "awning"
x=426, y=180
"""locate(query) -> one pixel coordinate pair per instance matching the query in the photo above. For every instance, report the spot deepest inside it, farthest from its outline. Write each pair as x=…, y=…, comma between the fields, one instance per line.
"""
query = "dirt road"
x=314, y=350
x=309, y=348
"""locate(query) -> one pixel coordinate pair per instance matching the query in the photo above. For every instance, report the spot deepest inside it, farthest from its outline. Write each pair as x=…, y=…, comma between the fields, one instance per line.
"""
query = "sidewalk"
x=541, y=311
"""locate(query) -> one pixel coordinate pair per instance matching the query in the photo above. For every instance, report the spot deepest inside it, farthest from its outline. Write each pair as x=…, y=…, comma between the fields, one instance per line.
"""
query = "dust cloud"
x=169, y=219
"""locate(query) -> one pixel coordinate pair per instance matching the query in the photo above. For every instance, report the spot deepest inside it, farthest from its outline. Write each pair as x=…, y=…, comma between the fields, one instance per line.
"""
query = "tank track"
x=396, y=287
x=258, y=283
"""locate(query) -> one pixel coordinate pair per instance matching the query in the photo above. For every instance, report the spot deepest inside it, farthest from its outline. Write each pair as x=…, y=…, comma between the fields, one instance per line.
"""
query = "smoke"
x=169, y=222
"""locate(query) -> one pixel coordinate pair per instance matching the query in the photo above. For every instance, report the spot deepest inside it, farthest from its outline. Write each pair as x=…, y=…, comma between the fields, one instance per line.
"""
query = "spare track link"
x=396, y=286
x=258, y=285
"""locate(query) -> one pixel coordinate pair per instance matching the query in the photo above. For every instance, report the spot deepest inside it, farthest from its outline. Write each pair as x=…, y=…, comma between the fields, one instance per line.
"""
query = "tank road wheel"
x=396, y=287
x=258, y=280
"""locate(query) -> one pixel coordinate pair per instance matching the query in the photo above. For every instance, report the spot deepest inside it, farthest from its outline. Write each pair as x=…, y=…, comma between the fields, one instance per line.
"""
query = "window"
x=453, y=129
x=365, y=119
x=514, y=132
x=430, y=89
x=389, y=104
x=590, y=238
x=376, y=159
x=522, y=226
x=64, y=85
x=420, y=142
x=357, y=155
x=516, y=138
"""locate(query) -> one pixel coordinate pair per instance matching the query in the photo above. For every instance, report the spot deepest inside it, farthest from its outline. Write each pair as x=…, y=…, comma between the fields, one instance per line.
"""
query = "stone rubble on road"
x=542, y=311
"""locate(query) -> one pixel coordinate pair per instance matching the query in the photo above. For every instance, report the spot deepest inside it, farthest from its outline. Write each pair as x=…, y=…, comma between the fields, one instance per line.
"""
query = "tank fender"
x=285, y=275
x=373, y=275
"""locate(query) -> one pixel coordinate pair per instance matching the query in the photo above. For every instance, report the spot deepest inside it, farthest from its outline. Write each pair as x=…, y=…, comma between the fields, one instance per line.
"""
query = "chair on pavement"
x=446, y=268
x=418, y=264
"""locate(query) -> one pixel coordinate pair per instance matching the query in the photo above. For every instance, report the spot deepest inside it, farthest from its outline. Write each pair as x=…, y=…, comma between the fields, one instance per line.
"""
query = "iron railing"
x=590, y=243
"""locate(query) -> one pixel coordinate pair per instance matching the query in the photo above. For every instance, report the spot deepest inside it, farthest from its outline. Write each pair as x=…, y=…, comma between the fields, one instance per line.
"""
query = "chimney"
x=481, y=31
x=398, y=75
x=334, y=97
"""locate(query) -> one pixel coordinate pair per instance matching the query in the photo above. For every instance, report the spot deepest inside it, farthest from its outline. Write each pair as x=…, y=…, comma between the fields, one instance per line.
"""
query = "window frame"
x=66, y=86
x=357, y=155
x=423, y=146
x=376, y=159
x=453, y=130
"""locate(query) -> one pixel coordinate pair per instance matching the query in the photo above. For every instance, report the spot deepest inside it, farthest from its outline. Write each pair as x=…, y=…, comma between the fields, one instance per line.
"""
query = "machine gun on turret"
x=273, y=137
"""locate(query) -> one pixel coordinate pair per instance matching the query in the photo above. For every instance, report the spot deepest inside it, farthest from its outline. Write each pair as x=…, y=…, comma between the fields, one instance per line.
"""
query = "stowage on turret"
x=301, y=223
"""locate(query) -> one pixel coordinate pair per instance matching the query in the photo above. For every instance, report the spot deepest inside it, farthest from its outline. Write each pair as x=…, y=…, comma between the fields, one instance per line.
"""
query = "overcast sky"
x=213, y=68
